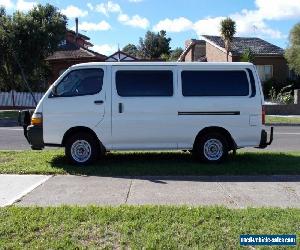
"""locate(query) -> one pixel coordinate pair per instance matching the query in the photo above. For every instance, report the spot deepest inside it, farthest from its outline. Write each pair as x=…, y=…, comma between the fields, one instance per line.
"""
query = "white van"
x=206, y=108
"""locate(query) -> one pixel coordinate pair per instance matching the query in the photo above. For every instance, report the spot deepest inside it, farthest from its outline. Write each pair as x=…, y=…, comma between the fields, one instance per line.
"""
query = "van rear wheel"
x=211, y=147
x=82, y=148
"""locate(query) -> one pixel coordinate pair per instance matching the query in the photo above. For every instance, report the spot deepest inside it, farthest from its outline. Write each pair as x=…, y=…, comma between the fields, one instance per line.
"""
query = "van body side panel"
x=239, y=115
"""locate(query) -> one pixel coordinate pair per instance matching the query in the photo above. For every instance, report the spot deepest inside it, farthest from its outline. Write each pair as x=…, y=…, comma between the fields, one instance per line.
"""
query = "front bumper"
x=32, y=133
x=264, y=138
x=35, y=137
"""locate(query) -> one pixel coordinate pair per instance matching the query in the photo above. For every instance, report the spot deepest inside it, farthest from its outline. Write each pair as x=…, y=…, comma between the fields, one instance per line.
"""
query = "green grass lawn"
x=137, y=227
x=149, y=163
x=279, y=119
x=9, y=115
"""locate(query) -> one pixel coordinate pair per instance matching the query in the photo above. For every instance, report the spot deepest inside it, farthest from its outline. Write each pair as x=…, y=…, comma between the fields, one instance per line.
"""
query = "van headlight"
x=37, y=119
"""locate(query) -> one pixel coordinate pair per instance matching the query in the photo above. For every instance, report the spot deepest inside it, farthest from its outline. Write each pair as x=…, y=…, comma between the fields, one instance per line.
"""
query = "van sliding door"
x=144, y=109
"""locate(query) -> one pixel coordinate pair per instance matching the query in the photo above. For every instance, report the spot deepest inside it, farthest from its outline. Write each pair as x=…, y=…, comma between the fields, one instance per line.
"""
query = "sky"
x=115, y=23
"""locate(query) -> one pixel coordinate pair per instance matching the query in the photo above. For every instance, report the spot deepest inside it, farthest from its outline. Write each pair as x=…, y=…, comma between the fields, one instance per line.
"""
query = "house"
x=73, y=50
x=268, y=58
x=121, y=56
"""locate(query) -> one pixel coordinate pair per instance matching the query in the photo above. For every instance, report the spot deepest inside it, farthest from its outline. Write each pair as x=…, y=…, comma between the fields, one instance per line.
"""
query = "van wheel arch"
x=214, y=129
x=82, y=129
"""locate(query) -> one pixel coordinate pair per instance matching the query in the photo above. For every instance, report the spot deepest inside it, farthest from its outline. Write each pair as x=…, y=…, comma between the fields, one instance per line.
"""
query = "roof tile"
x=73, y=51
x=240, y=44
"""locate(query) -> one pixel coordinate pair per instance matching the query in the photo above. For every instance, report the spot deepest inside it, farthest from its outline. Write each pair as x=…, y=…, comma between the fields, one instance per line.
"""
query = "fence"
x=15, y=99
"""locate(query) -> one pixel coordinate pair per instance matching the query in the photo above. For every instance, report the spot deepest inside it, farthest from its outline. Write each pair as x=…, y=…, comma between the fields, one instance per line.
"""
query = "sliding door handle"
x=98, y=102
x=121, y=108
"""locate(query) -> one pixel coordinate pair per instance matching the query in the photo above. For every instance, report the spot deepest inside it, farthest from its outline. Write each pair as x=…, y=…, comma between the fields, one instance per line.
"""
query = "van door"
x=144, y=107
x=79, y=100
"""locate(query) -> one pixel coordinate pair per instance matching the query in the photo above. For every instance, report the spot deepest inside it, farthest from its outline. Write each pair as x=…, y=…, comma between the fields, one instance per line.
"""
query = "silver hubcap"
x=81, y=151
x=213, y=149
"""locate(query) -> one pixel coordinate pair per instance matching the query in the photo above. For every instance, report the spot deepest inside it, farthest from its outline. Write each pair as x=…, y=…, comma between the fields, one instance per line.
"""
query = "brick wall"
x=199, y=51
x=196, y=52
x=189, y=56
x=213, y=54
x=289, y=109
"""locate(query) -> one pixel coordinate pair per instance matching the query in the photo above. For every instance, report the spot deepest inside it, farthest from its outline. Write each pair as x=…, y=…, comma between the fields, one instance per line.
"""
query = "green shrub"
x=268, y=85
x=283, y=96
x=277, y=86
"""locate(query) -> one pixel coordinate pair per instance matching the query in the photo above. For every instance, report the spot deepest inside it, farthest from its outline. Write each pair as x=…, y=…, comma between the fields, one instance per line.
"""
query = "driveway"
x=230, y=191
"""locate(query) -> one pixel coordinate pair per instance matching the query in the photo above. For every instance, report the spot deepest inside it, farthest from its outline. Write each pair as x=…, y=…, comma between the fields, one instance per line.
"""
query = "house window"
x=265, y=72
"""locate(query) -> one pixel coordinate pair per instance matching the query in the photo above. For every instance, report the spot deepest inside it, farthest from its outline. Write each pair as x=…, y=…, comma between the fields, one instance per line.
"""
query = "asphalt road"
x=285, y=139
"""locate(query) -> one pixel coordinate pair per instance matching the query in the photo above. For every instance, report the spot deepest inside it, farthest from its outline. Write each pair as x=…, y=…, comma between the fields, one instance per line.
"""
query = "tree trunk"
x=227, y=48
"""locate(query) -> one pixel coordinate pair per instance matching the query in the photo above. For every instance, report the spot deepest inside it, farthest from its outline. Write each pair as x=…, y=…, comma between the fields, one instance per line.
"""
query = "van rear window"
x=215, y=83
x=133, y=83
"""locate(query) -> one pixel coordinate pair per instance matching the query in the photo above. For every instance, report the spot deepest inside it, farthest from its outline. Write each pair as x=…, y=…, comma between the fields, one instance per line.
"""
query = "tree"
x=7, y=64
x=175, y=54
x=154, y=45
x=131, y=50
x=292, y=53
x=247, y=56
x=228, y=30
x=26, y=40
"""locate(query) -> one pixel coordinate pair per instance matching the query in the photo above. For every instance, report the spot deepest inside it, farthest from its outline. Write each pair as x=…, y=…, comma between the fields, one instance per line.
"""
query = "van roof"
x=245, y=64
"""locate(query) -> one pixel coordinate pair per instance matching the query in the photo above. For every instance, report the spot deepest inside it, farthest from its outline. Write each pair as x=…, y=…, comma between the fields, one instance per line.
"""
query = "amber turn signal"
x=37, y=119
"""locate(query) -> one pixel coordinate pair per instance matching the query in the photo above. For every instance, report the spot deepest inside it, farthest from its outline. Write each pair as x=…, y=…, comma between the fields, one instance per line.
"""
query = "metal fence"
x=19, y=99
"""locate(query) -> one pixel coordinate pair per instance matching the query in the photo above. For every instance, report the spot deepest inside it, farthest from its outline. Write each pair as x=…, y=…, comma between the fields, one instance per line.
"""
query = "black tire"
x=82, y=148
x=211, y=147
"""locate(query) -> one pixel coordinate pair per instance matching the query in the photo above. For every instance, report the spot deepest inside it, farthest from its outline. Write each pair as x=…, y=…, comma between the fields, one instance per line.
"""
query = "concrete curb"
x=284, y=124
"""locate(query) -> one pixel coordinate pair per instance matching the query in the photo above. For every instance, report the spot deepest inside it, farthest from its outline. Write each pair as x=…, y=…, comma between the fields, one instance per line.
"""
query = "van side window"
x=81, y=82
x=131, y=83
x=215, y=83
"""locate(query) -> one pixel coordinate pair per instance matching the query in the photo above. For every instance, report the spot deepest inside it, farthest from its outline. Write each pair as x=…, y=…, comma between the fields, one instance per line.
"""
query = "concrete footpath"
x=230, y=191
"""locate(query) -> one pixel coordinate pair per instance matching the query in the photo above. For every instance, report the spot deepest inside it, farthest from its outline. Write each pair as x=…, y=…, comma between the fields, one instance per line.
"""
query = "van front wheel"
x=81, y=149
x=211, y=147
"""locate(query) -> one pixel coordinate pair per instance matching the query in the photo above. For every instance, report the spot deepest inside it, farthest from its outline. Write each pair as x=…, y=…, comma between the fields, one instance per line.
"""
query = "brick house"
x=268, y=58
x=74, y=49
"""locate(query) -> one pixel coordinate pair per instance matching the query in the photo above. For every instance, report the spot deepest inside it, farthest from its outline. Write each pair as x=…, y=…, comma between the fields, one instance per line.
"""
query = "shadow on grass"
x=183, y=164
